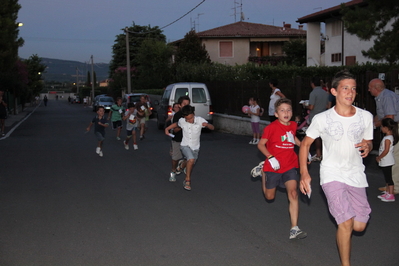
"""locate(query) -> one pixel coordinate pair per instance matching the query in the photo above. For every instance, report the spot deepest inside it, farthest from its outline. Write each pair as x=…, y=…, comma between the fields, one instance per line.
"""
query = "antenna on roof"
x=236, y=4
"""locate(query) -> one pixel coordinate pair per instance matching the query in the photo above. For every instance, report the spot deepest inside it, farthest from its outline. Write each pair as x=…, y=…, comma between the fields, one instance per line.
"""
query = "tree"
x=9, y=42
x=378, y=19
x=295, y=52
x=137, y=35
x=191, y=50
x=154, y=64
x=35, y=70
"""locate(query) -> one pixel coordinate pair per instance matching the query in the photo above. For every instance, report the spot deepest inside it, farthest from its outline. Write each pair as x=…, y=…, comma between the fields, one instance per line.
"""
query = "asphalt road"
x=62, y=204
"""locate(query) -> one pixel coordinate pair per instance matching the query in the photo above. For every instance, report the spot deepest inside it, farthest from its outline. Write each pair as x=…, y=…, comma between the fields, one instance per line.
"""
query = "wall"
x=240, y=51
x=235, y=124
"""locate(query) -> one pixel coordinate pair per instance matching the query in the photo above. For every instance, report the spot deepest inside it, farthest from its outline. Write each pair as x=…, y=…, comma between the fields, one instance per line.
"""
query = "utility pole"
x=129, y=86
x=92, y=79
x=77, y=80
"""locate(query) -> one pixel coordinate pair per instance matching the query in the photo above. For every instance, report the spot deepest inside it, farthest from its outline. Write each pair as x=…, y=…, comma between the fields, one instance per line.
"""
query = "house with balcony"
x=340, y=47
x=235, y=43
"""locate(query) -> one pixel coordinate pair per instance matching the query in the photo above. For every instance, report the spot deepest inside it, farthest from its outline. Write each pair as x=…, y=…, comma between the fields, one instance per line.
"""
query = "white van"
x=199, y=96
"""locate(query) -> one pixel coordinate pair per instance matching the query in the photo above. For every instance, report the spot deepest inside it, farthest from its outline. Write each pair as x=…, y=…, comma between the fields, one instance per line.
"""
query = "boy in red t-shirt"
x=279, y=169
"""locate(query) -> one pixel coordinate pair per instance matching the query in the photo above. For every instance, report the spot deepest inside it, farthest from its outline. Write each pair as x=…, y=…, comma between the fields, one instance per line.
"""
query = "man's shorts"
x=346, y=202
x=100, y=137
x=188, y=153
x=278, y=179
x=142, y=120
x=175, y=151
x=129, y=133
x=116, y=124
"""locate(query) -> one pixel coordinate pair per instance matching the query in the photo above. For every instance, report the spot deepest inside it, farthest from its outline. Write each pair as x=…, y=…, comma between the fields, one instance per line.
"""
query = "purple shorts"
x=255, y=127
x=346, y=202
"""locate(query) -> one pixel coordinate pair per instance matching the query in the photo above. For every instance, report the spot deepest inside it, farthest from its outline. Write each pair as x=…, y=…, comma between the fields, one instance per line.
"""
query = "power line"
x=171, y=22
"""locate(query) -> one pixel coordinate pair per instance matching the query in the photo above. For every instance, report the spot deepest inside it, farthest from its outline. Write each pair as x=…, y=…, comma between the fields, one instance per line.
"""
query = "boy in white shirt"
x=190, y=145
x=347, y=134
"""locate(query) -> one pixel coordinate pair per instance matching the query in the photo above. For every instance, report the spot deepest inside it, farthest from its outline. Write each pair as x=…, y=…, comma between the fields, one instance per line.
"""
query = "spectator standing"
x=387, y=103
x=347, y=134
x=318, y=102
x=45, y=100
x=276, y=94
x=254, y=113
x=116, y=113
x=385, y=157
x=3, y=113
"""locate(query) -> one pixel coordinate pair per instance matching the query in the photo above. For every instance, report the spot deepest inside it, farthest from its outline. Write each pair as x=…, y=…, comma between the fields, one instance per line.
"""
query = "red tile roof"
x=247, y=29
x=328, y=13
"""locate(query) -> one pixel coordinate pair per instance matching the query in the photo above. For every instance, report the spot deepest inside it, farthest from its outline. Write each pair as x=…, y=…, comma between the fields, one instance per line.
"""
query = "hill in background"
x=65, y=71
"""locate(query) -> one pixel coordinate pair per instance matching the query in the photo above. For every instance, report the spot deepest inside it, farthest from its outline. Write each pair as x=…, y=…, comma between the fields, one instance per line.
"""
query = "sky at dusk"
x=77, y=29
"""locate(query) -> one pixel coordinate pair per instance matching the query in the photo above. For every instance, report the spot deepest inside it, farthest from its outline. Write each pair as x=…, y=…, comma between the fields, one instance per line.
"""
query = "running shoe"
x=100, y=153
x=172, y=177
x=382, y=196
x=251, y=142
x=118, y=138
x=296, y=233
x=389, y=198
x=135, y=146
x=315, y=158
x=179, y=168
x=256, y=141
x=98, y=149
x=257, y=170
x=126, y=145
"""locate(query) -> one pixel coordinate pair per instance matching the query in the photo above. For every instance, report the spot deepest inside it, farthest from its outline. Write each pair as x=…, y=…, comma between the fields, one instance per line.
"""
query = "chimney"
x=300, y=27
x=288, y=26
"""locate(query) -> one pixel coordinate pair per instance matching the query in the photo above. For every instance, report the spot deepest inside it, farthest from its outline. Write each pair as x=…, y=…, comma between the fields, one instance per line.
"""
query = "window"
x=336, y=28
x=336, y=57
x=225, y=49
x=199, y=95
x=350, y=60
x=180, y=92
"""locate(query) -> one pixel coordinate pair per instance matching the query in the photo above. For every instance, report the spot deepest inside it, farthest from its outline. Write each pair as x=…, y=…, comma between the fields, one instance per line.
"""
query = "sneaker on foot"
x=179, y=168
x=141, y=137
x=382, y=196
x=315, y=158
x=118, y=138
x=388, y=198
x=98, y=149
x=126, y=145
x=257, y=170
x=100, y=153
x=135, y=146
x=296, y=233
x=251, y=142
x=256, y=141
x=172, y=177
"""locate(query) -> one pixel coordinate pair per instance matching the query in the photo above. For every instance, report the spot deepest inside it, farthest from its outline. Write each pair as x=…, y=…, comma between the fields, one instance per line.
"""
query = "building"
x=235, y=43
x=340, y=47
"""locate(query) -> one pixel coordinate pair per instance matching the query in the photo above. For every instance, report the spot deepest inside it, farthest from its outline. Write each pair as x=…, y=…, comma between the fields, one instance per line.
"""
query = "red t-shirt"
x=280, y=143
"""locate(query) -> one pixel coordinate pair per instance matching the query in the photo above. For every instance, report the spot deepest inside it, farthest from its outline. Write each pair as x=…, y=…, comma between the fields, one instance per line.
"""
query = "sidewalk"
x=13, y=121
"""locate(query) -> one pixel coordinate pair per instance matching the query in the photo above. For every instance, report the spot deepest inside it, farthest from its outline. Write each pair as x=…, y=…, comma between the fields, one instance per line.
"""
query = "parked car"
x=199, y=96
x=135, y=98
x=76, y=99
x=102, y=100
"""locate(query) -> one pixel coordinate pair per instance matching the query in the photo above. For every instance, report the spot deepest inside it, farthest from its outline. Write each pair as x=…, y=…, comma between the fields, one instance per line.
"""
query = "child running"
x=254, y=112
x=347, y=134
x=116, y=113
x=131, y=126
x=277, y=144
x=100, y=123
x=191, y=126
x=385, y=156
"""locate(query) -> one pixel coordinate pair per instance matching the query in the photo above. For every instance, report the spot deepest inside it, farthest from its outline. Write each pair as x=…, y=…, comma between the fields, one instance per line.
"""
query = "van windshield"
x=106, y=99
x=199, y=95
